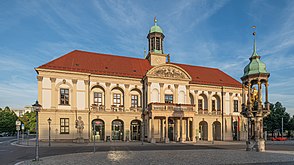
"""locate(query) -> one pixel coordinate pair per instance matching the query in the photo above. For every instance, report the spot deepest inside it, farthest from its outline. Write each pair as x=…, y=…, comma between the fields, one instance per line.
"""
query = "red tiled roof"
x=105, y=64
x=209, y=76
x=102, y=64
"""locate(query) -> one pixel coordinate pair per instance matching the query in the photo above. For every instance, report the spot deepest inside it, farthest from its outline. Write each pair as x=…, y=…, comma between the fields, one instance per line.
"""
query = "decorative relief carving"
x=63, y=81
x=169, y=72
x=127, y=85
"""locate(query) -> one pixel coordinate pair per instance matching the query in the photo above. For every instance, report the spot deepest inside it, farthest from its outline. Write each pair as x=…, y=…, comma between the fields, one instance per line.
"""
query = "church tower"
x=155, y=44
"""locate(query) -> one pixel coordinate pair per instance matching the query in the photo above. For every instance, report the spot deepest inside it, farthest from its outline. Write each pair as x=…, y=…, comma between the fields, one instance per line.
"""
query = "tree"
x=29, y=120
x=273, y=122
x=7, y=120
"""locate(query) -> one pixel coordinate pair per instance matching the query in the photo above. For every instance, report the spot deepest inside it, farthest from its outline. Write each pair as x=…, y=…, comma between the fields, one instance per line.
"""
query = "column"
x=74, y=95
x=176, y=93
x=161, y=129
x=187, y=130
x=148, y=93
x=166, y=130
x=209, y=131
x=40, y=89
x=266, y=96
x=249, y=97
x=152, y=130
x=259, y=98
x=53, y=94
x=181, y=129
x=196, y=101
x=107, y=97
x=194, y=132
x=127, y=99
x=188, y=101
x=161, y=93
x=243, y=94
x=87, y=83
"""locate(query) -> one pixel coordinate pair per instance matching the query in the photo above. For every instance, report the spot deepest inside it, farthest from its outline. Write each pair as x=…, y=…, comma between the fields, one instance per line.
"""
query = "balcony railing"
x=203, y=111
x=136, y=109
x=117, y=108
x=170, y=107
x=216, y=112
x=96, y=107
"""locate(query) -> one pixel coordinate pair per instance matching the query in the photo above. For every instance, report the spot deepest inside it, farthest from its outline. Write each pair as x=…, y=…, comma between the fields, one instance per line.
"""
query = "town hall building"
x=107, y=97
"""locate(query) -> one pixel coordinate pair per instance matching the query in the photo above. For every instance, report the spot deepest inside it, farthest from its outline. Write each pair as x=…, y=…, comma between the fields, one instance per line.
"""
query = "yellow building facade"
x=90, y=95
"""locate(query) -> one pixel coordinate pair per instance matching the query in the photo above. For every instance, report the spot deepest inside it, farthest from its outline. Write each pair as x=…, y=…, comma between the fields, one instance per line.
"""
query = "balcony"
x=170, y=107
x=136, y=109
x=203, y=111
x=97, y=108
x=216, y=112
x=117, y=108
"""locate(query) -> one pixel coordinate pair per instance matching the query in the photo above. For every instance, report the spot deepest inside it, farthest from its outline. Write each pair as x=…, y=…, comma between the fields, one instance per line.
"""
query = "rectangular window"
x=213, y=105
x=235, y=105
x=200, y=107
x=97, y=98
x=64, y=125
x=134, y=101
x=116, y=99
x=64, y=96
x=168, y=98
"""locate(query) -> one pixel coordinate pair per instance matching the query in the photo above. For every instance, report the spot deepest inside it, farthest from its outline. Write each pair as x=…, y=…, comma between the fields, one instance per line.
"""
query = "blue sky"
x=201, y=32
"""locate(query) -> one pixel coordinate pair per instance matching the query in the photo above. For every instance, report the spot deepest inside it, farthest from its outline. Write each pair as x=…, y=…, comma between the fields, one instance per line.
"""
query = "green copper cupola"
x=155, y=38
x=255, y=66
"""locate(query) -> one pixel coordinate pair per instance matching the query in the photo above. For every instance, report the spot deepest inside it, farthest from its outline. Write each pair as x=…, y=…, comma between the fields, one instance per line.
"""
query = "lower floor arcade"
x=128, y=127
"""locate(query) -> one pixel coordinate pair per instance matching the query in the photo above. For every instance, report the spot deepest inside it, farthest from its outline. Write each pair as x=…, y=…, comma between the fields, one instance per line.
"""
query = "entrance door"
x=203, y=130
x=171, y=129
x=135, y=130
x=98, y=129
x=117, y=130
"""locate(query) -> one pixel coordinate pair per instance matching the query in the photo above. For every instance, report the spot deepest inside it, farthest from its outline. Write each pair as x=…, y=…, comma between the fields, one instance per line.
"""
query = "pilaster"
x=107, y=97
x=161, y=92
x=127, y=97
x=87, y=83
x=74, y=94
x=176, y=93
x=40, y=89
x=53, y=94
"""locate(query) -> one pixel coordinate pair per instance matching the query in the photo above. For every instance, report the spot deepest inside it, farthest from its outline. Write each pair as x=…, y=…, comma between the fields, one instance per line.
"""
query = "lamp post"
x=37, y=107
x=49, y=122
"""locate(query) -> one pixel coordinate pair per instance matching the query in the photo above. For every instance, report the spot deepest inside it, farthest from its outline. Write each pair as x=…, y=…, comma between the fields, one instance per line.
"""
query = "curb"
x=19, y=145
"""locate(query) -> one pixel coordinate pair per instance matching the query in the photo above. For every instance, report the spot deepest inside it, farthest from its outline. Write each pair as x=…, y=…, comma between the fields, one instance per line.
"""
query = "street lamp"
x=37, y=107
x=49, y=122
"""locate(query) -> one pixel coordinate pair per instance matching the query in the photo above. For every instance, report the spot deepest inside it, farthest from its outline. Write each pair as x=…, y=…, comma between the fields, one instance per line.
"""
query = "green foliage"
x=7, y=120
x=273, y=122
x=29, y=120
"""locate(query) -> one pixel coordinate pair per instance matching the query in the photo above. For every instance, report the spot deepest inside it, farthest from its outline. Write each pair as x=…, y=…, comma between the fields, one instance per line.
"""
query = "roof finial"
x=155, y=21
x=254, y=45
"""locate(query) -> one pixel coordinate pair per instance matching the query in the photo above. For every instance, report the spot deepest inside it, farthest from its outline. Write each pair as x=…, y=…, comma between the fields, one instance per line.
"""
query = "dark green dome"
x=155, y=28
x=255, y=65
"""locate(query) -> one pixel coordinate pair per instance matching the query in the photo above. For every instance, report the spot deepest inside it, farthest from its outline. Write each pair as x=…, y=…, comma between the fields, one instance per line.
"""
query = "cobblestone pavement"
x=169, y=157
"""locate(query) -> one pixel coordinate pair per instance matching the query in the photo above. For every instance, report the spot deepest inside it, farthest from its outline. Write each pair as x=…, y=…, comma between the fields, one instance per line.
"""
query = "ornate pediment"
x=169, y=71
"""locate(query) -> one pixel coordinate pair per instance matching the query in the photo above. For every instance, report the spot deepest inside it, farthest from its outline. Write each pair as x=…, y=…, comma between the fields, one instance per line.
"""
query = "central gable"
x=169, y=71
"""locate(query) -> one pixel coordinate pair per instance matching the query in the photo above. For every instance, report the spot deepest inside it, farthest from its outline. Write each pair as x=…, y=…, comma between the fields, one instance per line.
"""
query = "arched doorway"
x=135, y=130
x=216, y=130
x=203, y=130
x=98, y=128
x=117, y=130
